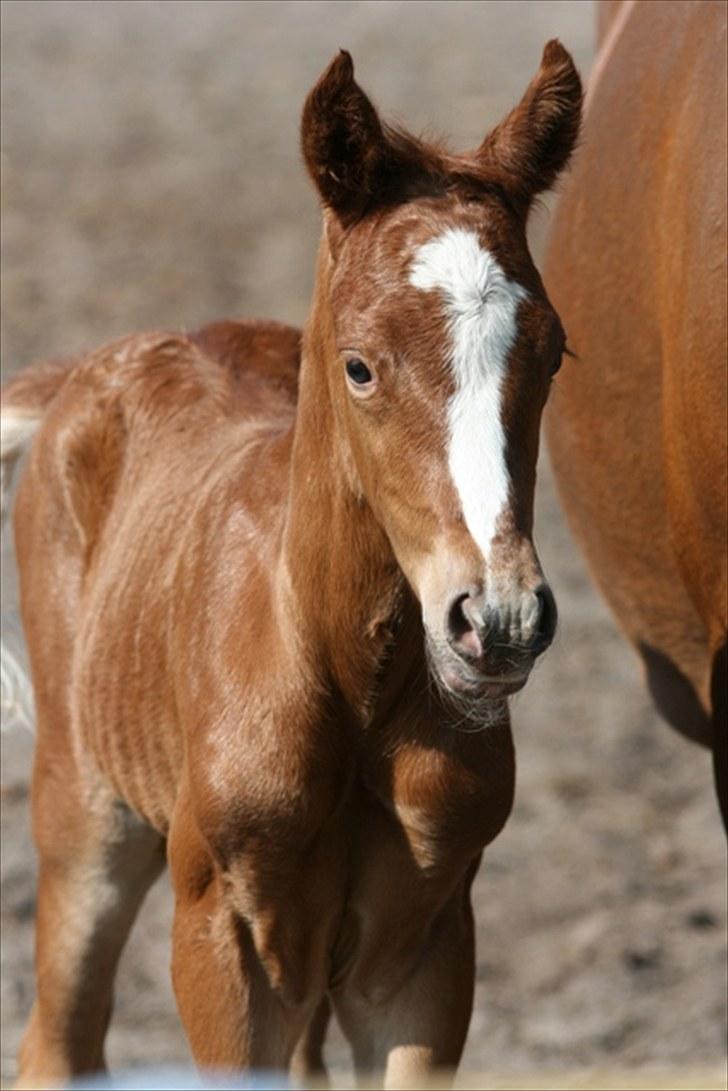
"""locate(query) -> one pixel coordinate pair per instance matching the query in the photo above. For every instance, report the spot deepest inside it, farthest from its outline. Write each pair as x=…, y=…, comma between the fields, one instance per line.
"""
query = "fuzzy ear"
x=343, y=142
x=532, y=145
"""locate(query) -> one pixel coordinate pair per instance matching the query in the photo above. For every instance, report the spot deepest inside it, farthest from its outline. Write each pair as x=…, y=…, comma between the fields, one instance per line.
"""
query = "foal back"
x=145, y=447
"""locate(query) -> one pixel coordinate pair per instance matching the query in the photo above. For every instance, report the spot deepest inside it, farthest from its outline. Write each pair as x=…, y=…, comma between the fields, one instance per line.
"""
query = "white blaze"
x=482, y=305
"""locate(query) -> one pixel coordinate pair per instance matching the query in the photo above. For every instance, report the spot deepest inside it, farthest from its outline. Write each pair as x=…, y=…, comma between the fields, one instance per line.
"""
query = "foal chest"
x=447, y=795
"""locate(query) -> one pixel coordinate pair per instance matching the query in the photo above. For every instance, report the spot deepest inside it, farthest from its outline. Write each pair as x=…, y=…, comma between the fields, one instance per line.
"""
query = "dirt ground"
x=151, y=178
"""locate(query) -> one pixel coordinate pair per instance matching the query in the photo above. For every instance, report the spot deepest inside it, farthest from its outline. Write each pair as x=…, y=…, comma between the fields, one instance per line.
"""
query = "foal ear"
x=342, y=140
x=533, y=144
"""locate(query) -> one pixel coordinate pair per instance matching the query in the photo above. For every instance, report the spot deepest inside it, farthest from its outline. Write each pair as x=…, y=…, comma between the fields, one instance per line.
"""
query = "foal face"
x=446, y=345
x=443, y=344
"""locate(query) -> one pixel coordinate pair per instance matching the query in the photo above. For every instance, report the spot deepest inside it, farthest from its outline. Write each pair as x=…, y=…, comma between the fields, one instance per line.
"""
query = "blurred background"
x=152, y=178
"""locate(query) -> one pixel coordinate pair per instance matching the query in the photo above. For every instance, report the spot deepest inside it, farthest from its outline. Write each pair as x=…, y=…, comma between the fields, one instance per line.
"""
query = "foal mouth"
x=468, y=688
x=479, y=686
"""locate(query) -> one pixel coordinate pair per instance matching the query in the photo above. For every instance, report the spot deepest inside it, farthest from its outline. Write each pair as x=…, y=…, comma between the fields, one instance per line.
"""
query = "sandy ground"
x=151, y=178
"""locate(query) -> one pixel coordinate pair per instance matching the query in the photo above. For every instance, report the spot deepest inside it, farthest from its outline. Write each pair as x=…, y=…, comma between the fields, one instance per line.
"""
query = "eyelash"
x=565, y=351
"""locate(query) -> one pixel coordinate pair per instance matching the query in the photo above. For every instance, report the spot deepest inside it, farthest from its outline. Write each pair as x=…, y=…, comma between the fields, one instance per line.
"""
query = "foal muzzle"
x=491, y=644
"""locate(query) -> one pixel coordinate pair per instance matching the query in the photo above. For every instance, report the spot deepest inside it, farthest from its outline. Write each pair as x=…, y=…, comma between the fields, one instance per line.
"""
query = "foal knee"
x=289, y=913
x=265, y=906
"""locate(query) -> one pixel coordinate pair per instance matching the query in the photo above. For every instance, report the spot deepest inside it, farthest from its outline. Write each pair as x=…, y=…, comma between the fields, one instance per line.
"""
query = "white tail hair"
x=18, y=425
x=17, y=428
x=16, y=689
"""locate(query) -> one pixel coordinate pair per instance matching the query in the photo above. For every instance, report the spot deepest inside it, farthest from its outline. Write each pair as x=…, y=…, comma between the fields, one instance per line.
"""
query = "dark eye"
x=358, y=372
x=556, y=365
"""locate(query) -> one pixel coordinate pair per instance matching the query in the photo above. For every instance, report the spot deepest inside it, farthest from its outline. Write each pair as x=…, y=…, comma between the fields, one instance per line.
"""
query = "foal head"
x=440, y=347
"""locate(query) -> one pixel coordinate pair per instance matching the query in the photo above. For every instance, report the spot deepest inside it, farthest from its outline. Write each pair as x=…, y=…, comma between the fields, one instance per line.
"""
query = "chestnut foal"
x=226, y=566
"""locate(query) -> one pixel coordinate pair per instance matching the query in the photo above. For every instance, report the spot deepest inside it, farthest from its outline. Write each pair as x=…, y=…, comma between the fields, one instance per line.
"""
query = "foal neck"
x=339, y=565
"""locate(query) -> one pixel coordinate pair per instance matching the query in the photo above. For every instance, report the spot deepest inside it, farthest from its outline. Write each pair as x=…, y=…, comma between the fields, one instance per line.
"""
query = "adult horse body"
x=225, y=567
x=637, y=429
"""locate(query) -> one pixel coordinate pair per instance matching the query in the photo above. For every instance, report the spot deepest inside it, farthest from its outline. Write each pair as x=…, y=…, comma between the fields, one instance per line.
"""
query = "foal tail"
x=24, y=401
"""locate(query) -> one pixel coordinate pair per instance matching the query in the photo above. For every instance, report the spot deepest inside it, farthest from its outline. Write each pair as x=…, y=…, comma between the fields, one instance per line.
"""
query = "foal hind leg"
x=308, y=1056
x=96, y=862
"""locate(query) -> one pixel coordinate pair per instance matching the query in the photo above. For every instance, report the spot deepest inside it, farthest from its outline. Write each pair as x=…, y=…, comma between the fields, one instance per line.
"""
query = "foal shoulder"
x=254, y=349
x=150, y=399
x=119, y=393
x=223, y=367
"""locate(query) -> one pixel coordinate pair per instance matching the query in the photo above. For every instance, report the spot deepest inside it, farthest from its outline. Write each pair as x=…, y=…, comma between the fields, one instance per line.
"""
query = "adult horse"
x=637, y=428
x=226, y=567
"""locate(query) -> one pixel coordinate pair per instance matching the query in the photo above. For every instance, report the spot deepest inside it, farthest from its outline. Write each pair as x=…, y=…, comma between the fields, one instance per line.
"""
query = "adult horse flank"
x=637, y=431
x=242, y=552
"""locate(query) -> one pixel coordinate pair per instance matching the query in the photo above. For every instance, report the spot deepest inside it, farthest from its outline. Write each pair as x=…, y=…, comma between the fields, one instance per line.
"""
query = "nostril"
x=461, y=629
x=547, y=617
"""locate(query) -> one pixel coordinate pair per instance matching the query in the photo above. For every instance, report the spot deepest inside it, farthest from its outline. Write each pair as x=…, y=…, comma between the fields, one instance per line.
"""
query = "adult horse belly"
x=693, y=286
x=614, y=412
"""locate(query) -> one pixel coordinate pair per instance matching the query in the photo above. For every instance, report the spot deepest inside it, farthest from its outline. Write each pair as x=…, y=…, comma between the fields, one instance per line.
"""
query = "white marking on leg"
x=482, y=305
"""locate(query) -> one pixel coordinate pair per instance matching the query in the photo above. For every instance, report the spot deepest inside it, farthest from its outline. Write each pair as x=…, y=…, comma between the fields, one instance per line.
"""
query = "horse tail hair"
x=25, y=400
x=16, y=689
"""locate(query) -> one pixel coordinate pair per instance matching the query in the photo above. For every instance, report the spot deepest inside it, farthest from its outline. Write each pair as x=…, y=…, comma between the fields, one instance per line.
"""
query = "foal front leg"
x=250, y=953
x=404, y=966
x=406, y=1013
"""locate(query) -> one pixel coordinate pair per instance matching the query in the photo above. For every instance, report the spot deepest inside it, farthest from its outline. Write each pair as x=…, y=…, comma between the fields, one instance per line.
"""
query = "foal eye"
x=358, y=372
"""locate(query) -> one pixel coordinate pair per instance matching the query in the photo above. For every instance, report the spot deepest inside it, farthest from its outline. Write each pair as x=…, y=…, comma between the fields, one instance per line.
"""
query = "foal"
x=229, y=545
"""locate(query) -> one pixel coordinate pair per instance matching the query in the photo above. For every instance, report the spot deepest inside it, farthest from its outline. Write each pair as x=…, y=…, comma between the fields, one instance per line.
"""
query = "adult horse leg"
x=719, y=703
x=96, y=862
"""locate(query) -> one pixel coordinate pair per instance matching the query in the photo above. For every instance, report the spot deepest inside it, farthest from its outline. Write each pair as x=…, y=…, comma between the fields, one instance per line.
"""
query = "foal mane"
x=420, y=167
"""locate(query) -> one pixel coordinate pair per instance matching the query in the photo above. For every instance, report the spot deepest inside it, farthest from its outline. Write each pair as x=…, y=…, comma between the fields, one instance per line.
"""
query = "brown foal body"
x=223, y=571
